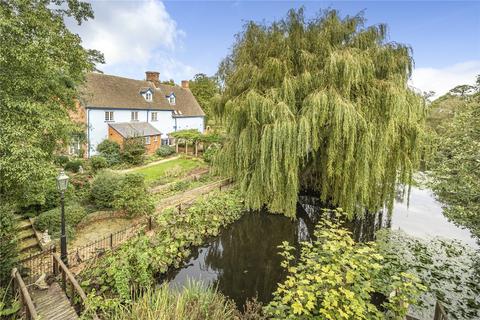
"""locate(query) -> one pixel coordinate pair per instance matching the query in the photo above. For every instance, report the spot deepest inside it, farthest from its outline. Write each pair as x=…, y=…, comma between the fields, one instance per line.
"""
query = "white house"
x=108, y=100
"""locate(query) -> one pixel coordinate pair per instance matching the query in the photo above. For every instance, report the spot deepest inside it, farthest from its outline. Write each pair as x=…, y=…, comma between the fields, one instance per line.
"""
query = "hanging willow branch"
x=321, y=105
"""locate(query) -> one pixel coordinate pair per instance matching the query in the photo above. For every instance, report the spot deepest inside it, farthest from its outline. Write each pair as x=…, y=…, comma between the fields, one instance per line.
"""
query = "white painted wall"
x=98, y=127
x=190, y=123
x=165, y=123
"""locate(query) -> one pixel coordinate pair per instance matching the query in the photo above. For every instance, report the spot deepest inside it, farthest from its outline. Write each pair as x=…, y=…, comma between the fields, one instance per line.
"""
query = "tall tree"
x=320, y=104
x=41, y=66
x=204, y=88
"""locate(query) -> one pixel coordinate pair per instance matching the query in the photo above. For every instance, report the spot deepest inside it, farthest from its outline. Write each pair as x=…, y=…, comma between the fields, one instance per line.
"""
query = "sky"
x=182, y=38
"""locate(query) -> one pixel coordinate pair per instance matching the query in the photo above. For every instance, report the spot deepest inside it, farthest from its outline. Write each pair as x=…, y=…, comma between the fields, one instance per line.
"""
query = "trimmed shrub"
x=98, y=162
x=165, y=151
x=73, y=165
x=110, y=150
x=61, y=160
x=132, y=196
x=133, y=151
x=51, y=220
x=103, y=188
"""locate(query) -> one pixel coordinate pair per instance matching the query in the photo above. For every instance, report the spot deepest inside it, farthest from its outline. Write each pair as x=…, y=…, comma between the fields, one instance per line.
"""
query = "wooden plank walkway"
x=53, y=304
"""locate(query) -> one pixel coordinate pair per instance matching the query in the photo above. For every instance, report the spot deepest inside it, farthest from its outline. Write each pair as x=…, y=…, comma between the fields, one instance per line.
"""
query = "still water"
x=243, y=261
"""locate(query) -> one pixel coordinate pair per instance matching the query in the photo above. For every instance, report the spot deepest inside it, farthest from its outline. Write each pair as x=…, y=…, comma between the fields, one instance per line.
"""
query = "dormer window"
x=171, y=99
x=148, y=96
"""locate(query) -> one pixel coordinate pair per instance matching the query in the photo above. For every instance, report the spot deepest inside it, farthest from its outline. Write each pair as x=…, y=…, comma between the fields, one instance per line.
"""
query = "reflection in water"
x=243, y=261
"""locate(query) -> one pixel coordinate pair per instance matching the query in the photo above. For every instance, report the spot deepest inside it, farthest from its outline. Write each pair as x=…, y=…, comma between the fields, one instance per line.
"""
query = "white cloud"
x=441, y=80
x=134, y=37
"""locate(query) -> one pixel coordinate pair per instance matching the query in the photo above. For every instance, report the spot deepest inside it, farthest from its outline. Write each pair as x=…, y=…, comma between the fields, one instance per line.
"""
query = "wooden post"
x=149, y=223
x=111, y=241
x=176, y=144
x=186, y=146
x=180, y=208
x=196, y=148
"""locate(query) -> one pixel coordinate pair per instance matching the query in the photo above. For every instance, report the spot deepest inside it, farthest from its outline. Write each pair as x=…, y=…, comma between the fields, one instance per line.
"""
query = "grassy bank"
x=156, y=173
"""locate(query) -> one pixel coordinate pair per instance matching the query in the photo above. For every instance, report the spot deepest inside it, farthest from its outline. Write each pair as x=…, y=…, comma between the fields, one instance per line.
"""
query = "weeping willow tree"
x=319, y=104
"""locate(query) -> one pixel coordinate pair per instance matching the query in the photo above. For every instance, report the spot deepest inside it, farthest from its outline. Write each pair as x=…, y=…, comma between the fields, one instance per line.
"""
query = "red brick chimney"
x=185, y=84
x=153, y=77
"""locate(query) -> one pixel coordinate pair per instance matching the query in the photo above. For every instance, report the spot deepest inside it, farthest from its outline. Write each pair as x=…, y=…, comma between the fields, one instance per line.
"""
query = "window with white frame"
x=148, y=96
x=147, y=140
x=154, y=116
x=134, y=115
x=109, y=116
x=165, y=142
x=171, y=99
x=155, y=139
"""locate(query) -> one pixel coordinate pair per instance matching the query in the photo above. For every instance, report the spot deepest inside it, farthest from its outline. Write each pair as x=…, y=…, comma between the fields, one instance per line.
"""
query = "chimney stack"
x=185, y=84
x=153, y=77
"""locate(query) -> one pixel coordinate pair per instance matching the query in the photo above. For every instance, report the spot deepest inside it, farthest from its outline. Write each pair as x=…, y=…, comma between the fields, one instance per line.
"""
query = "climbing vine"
x=320, y=104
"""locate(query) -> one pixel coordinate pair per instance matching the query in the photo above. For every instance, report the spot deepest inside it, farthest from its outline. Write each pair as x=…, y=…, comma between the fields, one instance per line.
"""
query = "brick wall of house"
x=113, y=135
x=79, y=116
x=155, y=142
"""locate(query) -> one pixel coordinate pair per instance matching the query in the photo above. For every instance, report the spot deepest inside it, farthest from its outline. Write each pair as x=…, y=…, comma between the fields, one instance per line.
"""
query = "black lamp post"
x=62, y=184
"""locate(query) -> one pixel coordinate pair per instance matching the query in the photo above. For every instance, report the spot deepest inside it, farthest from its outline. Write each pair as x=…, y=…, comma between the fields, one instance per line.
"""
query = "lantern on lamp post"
x=62, y=184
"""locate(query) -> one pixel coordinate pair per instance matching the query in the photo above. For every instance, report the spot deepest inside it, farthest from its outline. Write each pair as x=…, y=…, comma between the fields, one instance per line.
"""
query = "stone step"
x=26, y=233
x=29, y=243
x=24, y=224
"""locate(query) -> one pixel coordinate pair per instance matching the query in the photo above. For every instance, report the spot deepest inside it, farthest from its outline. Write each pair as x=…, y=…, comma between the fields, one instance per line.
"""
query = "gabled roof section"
x=135, y=129
x=102, y=91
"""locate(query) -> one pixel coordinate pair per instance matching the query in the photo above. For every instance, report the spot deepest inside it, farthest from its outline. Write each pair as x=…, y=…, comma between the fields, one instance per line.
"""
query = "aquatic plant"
x=449, y=269
x=195, y=301
x=321, y=104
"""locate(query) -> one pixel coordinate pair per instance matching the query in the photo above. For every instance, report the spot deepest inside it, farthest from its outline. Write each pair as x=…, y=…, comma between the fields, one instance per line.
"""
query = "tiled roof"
x=135, y=129
x=105, y=91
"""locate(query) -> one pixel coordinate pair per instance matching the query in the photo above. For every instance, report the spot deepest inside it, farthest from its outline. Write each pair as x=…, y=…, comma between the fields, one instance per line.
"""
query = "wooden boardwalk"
x=53, y=304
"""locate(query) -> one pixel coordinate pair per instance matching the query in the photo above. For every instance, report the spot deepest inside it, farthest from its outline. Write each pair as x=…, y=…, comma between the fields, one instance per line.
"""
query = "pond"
x=243, y=261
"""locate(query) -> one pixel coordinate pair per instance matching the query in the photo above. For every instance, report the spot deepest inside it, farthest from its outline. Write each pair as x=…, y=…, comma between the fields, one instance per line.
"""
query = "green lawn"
x=170, y=169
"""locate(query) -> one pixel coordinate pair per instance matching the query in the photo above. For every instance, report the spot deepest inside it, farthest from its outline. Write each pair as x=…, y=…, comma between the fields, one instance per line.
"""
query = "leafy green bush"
x=210, y=153
x=98, y=162
x=133, y=150
x=73, y=165
x=103, y=188
x=110, y=150
x=51, y=220
x=335, y=278
x=132, y=197
x=8, y=243
x=137, y=263
x=448, y=269
x=165, y=151
x=61, y=160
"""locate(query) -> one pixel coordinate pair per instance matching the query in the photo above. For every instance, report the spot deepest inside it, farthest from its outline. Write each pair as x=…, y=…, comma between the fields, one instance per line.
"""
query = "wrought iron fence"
x=32, y=267
x=109, y=242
